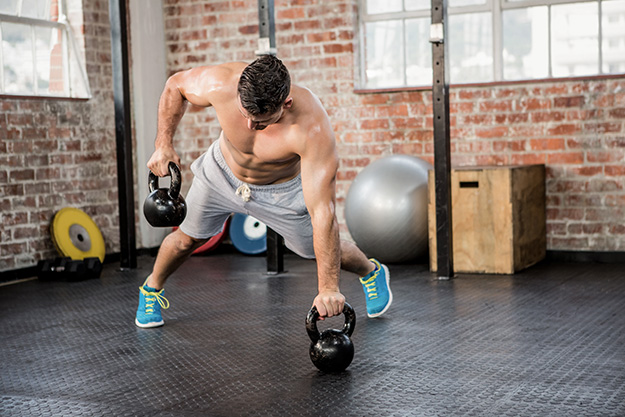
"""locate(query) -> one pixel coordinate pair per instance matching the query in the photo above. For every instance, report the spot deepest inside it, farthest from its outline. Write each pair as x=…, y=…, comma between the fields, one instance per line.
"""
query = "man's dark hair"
x=264, y=86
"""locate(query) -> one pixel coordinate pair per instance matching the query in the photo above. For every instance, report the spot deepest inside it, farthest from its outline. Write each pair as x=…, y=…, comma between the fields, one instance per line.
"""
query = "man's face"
x=259, y=122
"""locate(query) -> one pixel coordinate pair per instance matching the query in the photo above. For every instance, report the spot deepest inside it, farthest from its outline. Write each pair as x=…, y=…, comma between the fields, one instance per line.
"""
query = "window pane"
x=37, y=9
x=613, y=42
x=383, y=6
x=384, y=54
x=418, y=4
x=49, y=53
x=574, y=39
x=470, y=48
x=418, y=52
x=8, y=7
x=525, y=51
x=78, y=86
x=18, y=58
x=460, y=3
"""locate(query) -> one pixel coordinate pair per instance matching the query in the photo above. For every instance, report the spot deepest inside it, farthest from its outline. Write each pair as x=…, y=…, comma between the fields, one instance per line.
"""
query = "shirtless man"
x=275, y=160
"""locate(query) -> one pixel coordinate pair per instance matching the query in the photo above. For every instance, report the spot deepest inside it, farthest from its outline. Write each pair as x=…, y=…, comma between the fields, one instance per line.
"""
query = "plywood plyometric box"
x=498, y=218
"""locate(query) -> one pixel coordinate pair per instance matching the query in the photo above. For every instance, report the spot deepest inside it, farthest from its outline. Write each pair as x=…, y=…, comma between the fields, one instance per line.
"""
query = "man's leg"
x=174, y=250
x=375, y=278
x=353, y=260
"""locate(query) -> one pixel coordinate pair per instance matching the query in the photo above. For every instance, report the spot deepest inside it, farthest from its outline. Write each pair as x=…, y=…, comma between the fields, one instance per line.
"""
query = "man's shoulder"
x=224, y=72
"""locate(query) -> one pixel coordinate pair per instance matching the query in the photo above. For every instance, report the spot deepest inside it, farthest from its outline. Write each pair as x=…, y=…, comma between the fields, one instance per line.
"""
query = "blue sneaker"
x=150, y=303
x=377, y=289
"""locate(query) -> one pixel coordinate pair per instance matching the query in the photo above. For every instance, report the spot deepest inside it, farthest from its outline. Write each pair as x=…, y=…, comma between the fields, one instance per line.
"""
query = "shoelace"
x=244, y=192
x=372, y=290
x=156, y=296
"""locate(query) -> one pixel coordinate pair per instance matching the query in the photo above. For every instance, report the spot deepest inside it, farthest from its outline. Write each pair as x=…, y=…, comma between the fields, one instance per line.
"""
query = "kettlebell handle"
x=313, y=317
x=176, y=181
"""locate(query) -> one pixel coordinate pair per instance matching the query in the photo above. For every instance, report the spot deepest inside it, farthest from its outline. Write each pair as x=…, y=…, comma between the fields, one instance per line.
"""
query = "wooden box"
x=498, y=216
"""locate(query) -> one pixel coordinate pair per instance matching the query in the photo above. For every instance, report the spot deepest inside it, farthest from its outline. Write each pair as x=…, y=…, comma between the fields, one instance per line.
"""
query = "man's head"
x=264, y=86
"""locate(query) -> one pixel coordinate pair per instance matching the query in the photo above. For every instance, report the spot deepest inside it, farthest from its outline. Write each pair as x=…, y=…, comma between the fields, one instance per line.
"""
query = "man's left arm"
x=319, y=164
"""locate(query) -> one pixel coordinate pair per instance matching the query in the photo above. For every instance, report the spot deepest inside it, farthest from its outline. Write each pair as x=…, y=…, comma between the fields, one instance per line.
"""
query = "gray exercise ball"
x=386, y=209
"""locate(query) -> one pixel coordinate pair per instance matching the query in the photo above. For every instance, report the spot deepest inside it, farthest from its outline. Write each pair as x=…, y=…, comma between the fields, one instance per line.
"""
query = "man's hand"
x=329, y=303
x=159, y=162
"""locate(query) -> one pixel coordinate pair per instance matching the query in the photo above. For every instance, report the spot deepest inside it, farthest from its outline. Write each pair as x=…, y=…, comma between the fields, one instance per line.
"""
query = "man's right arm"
x=190, y=86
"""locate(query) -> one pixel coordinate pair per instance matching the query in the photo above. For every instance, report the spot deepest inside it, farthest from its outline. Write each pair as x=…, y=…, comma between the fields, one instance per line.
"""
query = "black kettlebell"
x=165, y=207
x=332, y=350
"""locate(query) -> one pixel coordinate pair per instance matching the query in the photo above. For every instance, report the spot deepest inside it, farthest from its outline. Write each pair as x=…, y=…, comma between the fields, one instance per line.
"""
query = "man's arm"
x=319, y=164
x=193, y=86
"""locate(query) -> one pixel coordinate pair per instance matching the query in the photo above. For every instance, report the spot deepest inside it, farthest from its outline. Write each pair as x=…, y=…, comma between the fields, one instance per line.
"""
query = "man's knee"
x=184, y=242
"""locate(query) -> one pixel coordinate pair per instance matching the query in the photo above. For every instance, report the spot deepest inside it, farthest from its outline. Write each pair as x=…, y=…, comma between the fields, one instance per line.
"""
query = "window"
x=491, y=40
x=38, y=53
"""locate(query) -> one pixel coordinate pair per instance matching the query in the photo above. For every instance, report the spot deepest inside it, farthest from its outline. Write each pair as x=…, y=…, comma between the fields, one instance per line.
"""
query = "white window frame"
x=69, y=46
x=496, y=8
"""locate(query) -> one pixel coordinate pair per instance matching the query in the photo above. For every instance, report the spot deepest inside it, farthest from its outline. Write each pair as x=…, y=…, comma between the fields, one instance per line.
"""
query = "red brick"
x=473, y=94
x=576, y=101
x=617, y=113
x=337, y=48
x=566, y=186
x=615, y=200
x=492, y=132
x=532, y=104
x=407, y=148
x=321, y=37
x=617, y=229
x=375, y=99
x=527, y=159
x=395, y=110
x=495, y=106
x=291, y=13
x=544, y=144
x=588, y=171
x=492, y=160
x=478, y=119
x=607, y=127
x=603, y=185
x=564, y=129
x=303, y=25
x=614, y=170
x=602, y=156
x=247, y=29
x=552, y=116
x=566, y=158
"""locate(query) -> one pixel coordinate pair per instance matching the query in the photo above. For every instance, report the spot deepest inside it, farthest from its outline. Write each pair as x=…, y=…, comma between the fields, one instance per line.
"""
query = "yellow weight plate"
x=76, y=235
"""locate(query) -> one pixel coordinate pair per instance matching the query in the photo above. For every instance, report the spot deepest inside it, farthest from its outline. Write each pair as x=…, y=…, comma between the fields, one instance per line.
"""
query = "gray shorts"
x=213, y=197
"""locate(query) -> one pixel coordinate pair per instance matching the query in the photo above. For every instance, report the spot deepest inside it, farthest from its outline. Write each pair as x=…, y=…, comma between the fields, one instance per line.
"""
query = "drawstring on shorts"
x=244, y=192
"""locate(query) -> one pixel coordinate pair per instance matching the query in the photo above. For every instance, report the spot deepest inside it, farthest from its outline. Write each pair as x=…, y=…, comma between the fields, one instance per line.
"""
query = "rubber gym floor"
x=547, y=341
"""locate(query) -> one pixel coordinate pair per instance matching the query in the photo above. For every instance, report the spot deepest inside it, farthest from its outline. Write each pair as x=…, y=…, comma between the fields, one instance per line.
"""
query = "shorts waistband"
x=283, y=186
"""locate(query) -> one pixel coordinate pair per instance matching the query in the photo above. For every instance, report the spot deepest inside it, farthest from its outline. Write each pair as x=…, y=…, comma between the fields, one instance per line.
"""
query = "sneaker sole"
x=390, y=294
x=149, y=325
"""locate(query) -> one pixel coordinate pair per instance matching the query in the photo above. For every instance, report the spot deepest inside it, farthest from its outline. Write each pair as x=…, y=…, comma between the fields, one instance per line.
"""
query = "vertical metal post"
x=275, y=252
x=121, y=93
x=267, y=46
x=266, y=28
x=442, y=154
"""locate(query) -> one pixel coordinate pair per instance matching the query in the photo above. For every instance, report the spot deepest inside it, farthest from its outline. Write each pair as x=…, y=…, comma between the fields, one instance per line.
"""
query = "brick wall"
x=59, y=153
x=575, y=127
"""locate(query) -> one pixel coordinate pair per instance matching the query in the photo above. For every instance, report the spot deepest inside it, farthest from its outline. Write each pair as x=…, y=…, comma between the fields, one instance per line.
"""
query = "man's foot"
x=150, y=303
x=377, y=290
